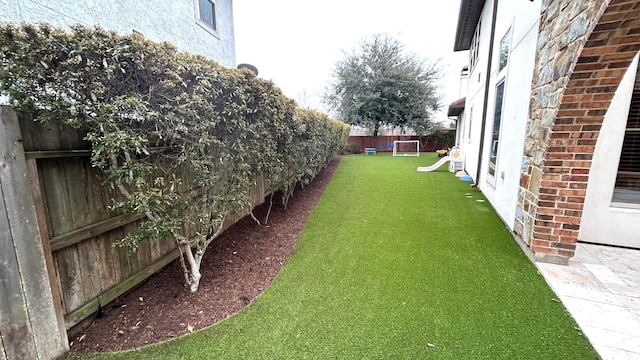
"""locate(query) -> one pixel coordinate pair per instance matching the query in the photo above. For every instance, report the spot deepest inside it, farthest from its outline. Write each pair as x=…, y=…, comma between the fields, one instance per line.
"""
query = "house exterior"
x=549, y=125
x=203, y=27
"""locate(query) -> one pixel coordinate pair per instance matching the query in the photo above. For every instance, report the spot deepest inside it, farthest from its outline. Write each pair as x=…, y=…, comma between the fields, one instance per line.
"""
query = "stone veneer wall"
x=584, y=49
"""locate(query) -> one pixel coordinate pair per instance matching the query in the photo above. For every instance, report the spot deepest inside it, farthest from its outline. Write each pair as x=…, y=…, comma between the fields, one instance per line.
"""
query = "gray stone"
x=579, y=26
x=525, y=165
x=543, y=96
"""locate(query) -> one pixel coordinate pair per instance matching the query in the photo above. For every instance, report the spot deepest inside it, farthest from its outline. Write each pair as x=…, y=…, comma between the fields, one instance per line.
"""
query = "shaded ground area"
x=238, y=266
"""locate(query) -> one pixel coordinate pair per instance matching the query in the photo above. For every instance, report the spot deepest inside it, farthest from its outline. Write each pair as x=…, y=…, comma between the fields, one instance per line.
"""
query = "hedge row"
x=151, y=112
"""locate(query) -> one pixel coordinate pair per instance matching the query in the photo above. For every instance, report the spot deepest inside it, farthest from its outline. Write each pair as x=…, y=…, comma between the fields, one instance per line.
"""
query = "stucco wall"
x=171, y=21
x=519, y=22
x=603, y=222
x=472, y=120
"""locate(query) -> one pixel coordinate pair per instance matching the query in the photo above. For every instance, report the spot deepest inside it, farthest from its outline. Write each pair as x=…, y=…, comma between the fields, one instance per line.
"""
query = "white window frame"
x=474, y=51
x=495, y=143
x=469, y=128
x=506, y=40
x=205, y=25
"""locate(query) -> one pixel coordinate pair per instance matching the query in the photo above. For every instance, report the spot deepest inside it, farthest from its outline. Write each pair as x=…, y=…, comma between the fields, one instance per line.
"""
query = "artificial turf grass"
x=395, y=264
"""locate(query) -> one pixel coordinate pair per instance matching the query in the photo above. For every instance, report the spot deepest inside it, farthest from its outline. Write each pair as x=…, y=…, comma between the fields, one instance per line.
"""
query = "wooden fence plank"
x=34, y=180
x=55, y=190
x=124, y=286
x=78, y=235
x=89, y=269
x=14, y=322
x=106, y=255
x=70, y=276
x=77, y=182
x=56, y=154
x=23, y=222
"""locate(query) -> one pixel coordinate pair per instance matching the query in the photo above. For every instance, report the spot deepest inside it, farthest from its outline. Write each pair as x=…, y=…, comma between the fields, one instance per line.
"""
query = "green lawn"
x=395, y=264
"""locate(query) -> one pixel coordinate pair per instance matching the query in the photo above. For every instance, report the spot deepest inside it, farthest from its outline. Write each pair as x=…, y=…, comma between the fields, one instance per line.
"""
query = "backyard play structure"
x=455, y=159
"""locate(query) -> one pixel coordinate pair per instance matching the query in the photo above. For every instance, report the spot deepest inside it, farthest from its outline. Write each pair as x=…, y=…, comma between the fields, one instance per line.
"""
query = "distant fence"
x=76, y=228
x=385, y=143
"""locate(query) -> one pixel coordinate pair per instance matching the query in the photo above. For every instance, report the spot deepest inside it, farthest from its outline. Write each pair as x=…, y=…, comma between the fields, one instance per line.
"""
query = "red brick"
x=577, y=163
x=579, y=171
x=588, y=67
x=577, y=186
x=566, y=205
x=581, y=149
x=571, y=226
x=570, y=112
x=568, y=219
x=575, y=200
x=573, y=213
x=543, y=197
x=545, y=217
x=549, y=191
x=537, y=242
x=549, y=211
x=557, y=155
x=540, y=236
x=544, y=250
x=575, y=178
x=591, y=51
x=550, y=177
x=576, y=98
x=573, y=192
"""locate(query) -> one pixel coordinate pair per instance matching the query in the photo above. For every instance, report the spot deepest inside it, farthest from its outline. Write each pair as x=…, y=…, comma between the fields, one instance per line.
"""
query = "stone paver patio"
x=601, y=289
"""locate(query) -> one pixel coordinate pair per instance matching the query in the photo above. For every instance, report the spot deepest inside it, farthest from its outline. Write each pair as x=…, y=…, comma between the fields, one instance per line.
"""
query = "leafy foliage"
x=179, y=136
x=379, y=84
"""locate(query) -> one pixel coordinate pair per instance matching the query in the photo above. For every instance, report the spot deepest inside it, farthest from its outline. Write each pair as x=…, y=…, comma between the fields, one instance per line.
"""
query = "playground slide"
x=436, y=165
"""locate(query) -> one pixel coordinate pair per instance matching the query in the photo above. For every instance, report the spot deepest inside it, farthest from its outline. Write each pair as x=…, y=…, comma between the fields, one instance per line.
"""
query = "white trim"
x=206, y=26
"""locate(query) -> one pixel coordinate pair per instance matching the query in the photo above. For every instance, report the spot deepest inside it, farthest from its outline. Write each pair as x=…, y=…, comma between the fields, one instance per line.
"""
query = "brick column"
x=584, y=50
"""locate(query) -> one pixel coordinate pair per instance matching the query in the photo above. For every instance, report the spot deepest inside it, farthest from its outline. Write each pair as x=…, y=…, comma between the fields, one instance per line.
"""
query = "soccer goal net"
x=406, y=148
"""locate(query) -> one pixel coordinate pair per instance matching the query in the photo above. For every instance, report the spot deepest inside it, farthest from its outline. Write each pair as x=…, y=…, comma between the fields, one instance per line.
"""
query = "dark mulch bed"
x=237, y=267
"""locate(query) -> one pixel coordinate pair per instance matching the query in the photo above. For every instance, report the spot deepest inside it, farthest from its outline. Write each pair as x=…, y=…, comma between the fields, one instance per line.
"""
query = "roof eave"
x=468, y=17
x=456, y=107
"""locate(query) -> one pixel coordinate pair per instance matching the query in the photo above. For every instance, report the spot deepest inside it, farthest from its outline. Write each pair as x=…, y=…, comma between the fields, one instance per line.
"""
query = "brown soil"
x=237, y=267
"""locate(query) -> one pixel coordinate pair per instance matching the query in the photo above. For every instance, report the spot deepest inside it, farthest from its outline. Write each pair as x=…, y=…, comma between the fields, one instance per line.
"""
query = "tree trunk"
x=191, y=257
x=190, y=265
x=376, y=128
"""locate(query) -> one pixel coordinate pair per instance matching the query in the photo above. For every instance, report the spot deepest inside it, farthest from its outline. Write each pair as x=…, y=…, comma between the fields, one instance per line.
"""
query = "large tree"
x=380, y=83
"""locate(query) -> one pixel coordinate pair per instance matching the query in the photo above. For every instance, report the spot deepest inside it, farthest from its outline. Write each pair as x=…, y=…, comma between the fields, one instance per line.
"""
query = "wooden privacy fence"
x=385, y=142
x=30, y=326
x=76, y=226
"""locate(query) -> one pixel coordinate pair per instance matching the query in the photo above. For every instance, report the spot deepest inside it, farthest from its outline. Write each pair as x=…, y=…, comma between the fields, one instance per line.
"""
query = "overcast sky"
x=296, y=43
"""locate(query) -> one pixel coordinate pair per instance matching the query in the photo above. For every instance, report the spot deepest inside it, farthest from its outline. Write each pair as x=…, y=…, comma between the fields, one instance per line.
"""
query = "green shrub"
x=352, y=148
x=179, y=136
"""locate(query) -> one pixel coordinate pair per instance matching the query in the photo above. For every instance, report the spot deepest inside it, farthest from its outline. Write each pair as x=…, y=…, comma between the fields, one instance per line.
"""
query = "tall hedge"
x=181, y=137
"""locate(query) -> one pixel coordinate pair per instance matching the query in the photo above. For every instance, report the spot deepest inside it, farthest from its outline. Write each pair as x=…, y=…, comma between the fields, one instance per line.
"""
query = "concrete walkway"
x=601, y=289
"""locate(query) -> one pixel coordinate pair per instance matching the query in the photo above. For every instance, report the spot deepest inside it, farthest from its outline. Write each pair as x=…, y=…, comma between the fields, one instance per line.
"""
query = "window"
x=475, y=48
x=207, y=13
x=497, y=117
x=504, y=51
x=627, y=187
x=468, y=129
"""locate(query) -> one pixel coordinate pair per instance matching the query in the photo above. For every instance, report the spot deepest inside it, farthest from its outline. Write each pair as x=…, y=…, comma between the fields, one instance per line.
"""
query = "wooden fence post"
x=29, y=328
